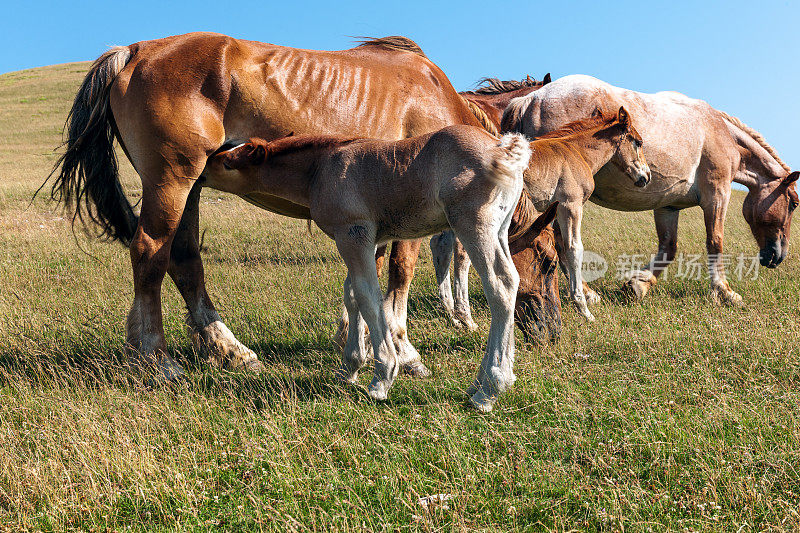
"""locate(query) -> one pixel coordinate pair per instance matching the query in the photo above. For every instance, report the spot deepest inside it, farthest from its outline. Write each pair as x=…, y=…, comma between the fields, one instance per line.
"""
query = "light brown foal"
x=364, y=193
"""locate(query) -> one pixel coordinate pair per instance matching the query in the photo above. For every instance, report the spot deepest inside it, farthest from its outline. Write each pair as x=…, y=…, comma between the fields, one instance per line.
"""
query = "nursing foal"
x=364, y=193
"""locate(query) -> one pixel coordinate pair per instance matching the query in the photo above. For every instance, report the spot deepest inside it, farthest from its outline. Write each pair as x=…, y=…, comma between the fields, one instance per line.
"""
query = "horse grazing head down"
x=768, y=210
x=537, y=311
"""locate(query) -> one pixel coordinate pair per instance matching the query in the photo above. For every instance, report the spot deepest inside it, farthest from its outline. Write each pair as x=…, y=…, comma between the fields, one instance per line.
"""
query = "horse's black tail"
x=89, y=177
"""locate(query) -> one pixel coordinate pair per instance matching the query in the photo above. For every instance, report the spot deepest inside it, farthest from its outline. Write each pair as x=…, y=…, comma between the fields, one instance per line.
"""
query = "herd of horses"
x=375, y=146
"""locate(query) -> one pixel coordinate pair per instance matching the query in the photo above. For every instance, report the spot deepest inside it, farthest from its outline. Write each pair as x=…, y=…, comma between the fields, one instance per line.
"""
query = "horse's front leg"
x=461, y=266
x=355, y=244
x=592, y=298
x=714, y=215
x=340, y=337
x=569, y=220
x=442, y=252
x=639, y=282
x=210, y=336
x=443, y=247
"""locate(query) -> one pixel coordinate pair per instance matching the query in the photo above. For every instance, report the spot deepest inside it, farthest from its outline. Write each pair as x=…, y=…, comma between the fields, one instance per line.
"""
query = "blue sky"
x=741, y=56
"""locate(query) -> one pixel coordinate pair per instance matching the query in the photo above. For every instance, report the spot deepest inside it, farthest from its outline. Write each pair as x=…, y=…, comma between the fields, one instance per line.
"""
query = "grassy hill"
x=669, y=414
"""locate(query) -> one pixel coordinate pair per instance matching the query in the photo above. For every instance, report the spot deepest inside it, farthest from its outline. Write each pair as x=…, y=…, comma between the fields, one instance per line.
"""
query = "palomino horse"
x=173, y=102
x=562, y=169
x=694, y=151
x=490, y=98
x=459, y=177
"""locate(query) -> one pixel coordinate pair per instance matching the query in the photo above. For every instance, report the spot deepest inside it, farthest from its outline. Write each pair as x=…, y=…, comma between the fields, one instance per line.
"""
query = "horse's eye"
x=792, y=205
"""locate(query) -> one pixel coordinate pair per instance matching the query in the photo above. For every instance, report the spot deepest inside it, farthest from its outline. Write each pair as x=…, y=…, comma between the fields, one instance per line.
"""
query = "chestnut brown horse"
x=173, y=102
x=492, y=96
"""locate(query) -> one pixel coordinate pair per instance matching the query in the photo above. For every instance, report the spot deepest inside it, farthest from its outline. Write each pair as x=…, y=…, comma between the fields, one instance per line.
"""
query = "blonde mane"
x=756, y=137
x=483, y=118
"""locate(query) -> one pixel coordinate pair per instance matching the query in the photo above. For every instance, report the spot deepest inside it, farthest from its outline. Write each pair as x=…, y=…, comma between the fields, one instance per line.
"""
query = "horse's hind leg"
x=488, y=249
x=210, y=337
x=163, y=199
x=402, y=261
x=639, y=282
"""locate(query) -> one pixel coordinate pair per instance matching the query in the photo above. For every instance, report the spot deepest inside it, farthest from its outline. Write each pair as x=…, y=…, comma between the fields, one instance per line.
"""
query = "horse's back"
x=674, y=128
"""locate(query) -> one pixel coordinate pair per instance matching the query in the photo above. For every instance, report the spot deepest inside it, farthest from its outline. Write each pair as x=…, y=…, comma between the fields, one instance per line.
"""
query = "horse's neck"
x=595, y=151
x=289, y=176
x=501, y=100
x=757, y=165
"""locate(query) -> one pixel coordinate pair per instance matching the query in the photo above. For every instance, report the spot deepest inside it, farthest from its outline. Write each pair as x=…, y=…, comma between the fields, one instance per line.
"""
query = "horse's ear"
x=546, y=79
x=545, y=219
x=791, y=178
x=624, y=118
x=249, y=154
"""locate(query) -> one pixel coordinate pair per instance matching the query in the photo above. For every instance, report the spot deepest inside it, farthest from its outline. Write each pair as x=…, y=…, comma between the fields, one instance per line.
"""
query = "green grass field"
x=671, y=414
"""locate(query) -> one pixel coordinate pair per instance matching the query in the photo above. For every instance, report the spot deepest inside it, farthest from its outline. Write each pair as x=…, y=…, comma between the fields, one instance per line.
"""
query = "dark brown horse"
x=493, y=96
x=173, y=102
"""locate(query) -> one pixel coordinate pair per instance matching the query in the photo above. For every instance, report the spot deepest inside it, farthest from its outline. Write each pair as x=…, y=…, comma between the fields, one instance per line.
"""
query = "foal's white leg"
x=356, y=246
x=354, y=352
x=488, y=249
x=569, y=219
x=463, y=315
x=442, y=252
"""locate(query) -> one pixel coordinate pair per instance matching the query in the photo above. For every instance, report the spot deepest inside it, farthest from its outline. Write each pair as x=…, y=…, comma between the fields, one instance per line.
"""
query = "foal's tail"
x=89, y=178
x=515, y=153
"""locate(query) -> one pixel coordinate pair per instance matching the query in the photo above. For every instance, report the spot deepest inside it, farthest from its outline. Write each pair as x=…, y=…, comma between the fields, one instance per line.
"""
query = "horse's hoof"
x=726, y=296
x=345, y=376
x=378, y=390
x=254, y=365
x=638, y=283
x=592, y=298
x=416, y=370
x=482, y=402
x=166, y=371
x=461, y=321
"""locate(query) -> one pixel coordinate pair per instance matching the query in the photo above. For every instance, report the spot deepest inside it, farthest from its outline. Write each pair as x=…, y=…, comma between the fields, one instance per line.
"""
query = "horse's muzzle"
x=538, y=325
x=772, y=254
x=642, y=176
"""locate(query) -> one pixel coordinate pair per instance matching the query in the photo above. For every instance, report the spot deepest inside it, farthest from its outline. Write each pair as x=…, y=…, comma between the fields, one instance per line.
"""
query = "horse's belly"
x=615, y=190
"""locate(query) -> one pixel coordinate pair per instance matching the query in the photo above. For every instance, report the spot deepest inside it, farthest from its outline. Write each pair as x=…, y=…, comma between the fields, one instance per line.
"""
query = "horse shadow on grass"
x=297, y=371
x=672, y=290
